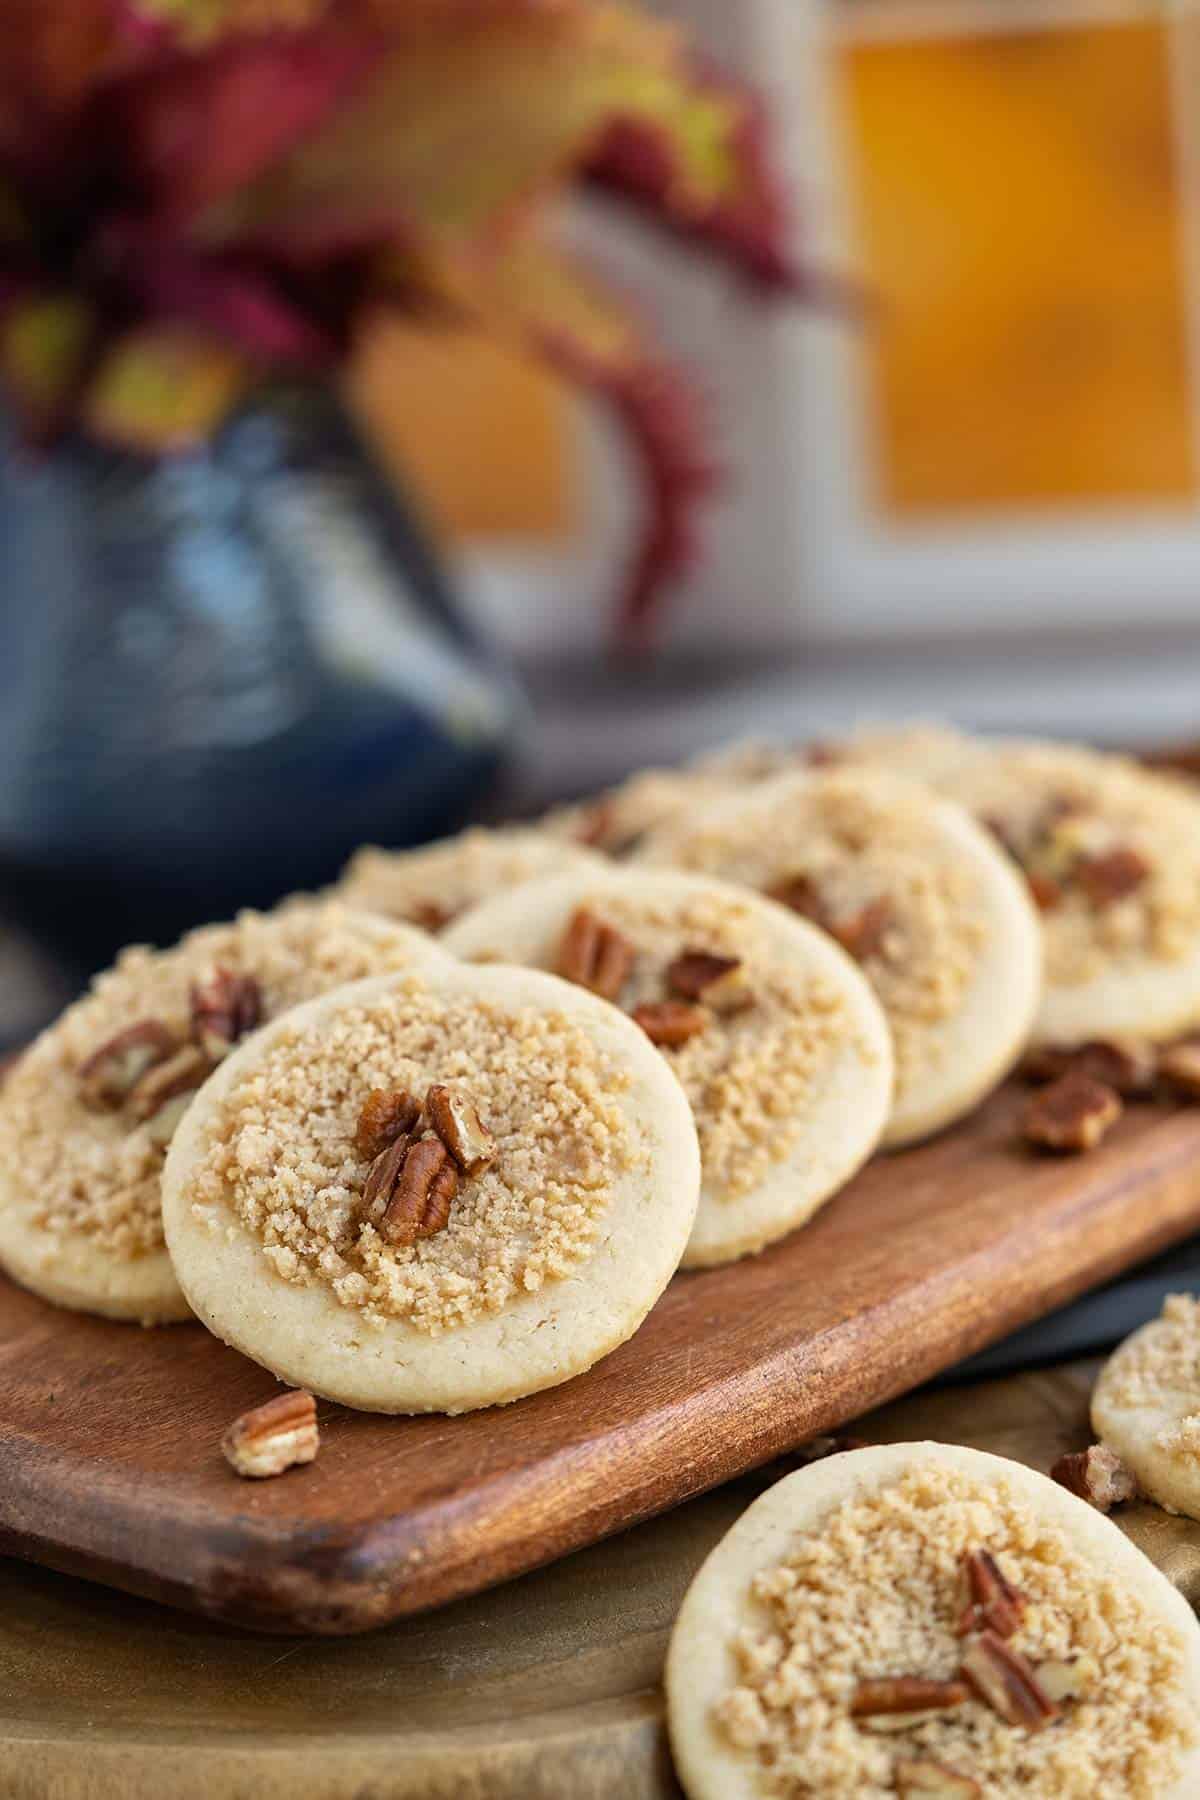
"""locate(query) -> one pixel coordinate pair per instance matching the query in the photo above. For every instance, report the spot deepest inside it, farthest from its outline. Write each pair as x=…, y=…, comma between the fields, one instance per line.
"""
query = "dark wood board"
x=109, y=1465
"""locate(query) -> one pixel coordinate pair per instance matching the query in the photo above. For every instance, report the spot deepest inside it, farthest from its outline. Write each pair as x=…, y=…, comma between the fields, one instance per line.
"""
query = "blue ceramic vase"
x=221, y=672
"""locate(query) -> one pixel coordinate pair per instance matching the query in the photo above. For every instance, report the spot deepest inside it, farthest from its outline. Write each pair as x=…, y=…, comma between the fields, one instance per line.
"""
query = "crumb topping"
x=431, y=886
x=876, y=1592
x=285, y=1155
x=752, y=1069
x=615, y=823
x=1160, y=1367
x=837, y=838
x=80, y=1172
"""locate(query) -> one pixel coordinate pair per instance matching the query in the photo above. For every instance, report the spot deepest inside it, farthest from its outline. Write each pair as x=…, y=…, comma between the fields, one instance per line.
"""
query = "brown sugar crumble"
x=283, y=1157
x=78, y=1170
x=908, y=908
x=877, y=1592
x=430, y=887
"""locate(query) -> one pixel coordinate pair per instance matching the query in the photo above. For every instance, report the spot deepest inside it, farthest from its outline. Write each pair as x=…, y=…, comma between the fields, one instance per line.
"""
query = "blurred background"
x=957, y=474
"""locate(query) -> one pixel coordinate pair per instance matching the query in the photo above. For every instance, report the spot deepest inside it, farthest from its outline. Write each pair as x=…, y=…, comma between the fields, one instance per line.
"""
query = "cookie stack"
x=440, y=1140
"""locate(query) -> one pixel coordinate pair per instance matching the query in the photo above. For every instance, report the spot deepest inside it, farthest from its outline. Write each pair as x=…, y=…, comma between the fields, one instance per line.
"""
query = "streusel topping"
x=431, y=886
x=283, y=1158
x=835, y=835
x=876, y=1592
x=78, y=1171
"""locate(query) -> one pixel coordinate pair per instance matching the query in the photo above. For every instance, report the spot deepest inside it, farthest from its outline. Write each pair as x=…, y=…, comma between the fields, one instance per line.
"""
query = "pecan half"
x=1072, y=1114
x=273, y=1437
x=421, y=1193
x=895, y=1694
x=800, y=894
x=182, y=1074
x=719, y=981
x=1112, y=875
x=1006, y=1681
x=1179, y=1066
x=225, y=1007
x=594, y=955
x=110, y=1074
x=387, y=1114
x=1124, y=1064
x=669, y=1023
x=455, y=1117
x=1097, y=1475
x=991, y=1602
x=920, y=1775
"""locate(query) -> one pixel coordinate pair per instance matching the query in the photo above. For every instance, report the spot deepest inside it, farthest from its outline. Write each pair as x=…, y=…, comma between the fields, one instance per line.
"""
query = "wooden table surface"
x=544, y=1689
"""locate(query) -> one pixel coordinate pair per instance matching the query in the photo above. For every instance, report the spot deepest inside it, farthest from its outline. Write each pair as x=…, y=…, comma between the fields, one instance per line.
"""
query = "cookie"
x=86, y=1115
x=934, y=913
x=434, y=1192
x=430, y=886
x=919, y=1620
x=1111, y=852
x=777, y=1039
x=1146, y=1406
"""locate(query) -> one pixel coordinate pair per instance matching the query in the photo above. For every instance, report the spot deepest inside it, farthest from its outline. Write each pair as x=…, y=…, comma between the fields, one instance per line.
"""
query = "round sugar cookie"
x=535, y=1266
x=854, y=1571
x=1146, y=1406
x=1111, y=851
x=82, y=1144
x=788, y=1067
x=431, y=885
x=935, y=914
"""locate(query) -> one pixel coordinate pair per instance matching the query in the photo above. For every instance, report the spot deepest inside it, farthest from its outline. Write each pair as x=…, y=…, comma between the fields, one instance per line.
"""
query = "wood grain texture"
x=109, y=1465
x=545, y=1689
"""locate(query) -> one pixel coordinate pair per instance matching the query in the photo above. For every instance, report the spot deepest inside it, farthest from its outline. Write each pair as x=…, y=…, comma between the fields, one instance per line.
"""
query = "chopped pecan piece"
x=1097, y=1475
x=110, y=1074
x=1044, y=891
x=273, y=1437
x=455, y=1117
x=1068, y=1680
x=1003, y=833
x=421, y=1193
x=719, y=981
x=1124, y=1064
x=1072, y=1114
x=1111, y=875
x=387, y=1114
x=821, y=753
x=182, y=1073
x=225, y=1008
x=669, y=1023
x=429, y=916
x=1006, y=1681
x=800, y=894
x=921, y=1775
x=1179, y=1066
x=895, y=1694
x=597, y=824
x=991, y=1602
x=861, y=934
x=594, y=955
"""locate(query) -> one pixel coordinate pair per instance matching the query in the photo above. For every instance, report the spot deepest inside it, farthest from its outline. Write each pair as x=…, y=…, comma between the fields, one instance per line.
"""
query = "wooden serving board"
x=109, y=1465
